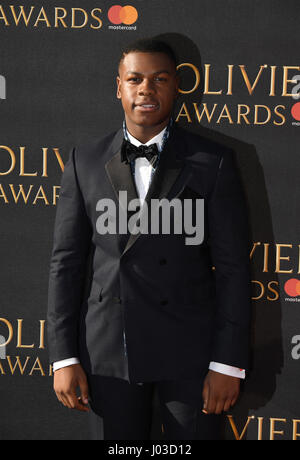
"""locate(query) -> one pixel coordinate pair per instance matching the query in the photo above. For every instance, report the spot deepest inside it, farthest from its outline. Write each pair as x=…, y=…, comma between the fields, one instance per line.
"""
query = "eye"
x=160, y=79
x=134, y=79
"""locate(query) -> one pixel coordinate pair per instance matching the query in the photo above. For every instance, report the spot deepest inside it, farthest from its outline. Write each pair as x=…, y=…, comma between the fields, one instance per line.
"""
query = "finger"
x=219, y=406
x=205, y=396
x=234, y=400
x=78, y=405
x=63, y=400
x=75, y=403
x=84, y=391
x=59, y=397
x=227, y=405
x=68, y=401
x=71, y=399
x=82, y=406
x=211, y=405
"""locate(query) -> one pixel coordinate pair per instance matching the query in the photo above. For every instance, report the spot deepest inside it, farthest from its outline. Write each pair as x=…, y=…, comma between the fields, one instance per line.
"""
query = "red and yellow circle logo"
x=292, y=287
x=122, y=14
x=295, y=111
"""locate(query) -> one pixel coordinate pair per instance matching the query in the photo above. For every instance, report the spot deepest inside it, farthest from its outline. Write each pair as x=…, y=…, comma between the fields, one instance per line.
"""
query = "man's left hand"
x=220, y=392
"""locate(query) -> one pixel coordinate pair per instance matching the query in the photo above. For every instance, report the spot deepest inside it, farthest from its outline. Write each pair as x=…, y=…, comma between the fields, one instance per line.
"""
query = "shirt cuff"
x=65, y=363
x=228, y=370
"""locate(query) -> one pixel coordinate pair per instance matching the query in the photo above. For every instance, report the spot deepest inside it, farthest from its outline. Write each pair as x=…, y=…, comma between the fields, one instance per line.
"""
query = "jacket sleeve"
x=230, y=250
x=71, y=244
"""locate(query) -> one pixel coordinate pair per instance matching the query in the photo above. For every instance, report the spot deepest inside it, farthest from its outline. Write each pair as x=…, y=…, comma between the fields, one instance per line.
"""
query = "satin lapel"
x=119, y=172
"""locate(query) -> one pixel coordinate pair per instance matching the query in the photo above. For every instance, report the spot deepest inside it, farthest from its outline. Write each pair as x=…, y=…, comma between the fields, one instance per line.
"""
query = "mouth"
x=150, y=107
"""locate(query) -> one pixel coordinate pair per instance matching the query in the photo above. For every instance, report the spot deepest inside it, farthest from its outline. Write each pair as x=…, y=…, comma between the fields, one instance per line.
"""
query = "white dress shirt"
x=143, y=171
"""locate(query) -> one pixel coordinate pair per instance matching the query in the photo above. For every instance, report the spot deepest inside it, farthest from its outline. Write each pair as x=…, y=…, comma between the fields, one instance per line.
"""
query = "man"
x=156, y=312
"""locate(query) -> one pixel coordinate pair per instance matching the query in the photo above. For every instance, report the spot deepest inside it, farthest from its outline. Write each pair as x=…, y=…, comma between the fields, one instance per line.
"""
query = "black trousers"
x=123, y=411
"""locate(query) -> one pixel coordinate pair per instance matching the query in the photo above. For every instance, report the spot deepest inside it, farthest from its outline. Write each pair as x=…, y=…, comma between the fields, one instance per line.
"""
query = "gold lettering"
x=3, y=17
x=42, y=334
x=60, y=18
x=229, y=85
x=19, y=336
x=262, y=289
x=42, y=197
x=44, y=18
x=38, y=368
x=246, y=78
x=227, y=115
x=256, y=122
x=22, y=164
x=2, y=194
x=206, y=85
x=266, y=257
x=185, y=114
x=253, y=249
x=272, y=427
x=295, y=432
x=55, y=196
x=260, y=426
x=234, y=428
x=273, y=290
x=10, y=331
x=17, y=364
x=22, y=13
x=197, y=77
x=240, y=114
x=279, y=114
x=279, y=258
x=21, y=191
x=13, y=160
x=272, y=83
x=1, y=369
x=286, y=68
x=60, y=161
x=45, y=160
x=204, y=110
x=97, y=19
x=74, y=26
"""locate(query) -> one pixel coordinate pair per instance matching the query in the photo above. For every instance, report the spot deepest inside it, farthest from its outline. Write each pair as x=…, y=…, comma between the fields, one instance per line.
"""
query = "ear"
x=119, y=96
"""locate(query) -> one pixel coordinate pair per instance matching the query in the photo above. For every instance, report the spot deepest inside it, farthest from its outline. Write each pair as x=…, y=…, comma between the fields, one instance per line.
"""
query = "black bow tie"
x=130, y=152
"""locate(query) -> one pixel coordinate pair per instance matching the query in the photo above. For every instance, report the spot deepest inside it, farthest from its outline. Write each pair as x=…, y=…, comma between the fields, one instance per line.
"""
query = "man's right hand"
x=66, y=382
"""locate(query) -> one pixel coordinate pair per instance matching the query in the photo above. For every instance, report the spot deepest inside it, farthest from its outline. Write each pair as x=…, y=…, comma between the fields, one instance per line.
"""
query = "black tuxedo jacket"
x=149, y=307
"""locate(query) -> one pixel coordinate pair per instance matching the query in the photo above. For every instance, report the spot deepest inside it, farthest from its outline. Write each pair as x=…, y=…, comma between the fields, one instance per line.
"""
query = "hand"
x=220, y=392
x=66, y=381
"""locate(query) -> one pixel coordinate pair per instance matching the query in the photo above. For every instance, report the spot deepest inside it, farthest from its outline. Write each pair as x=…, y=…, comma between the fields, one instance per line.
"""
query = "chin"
x=149, y=120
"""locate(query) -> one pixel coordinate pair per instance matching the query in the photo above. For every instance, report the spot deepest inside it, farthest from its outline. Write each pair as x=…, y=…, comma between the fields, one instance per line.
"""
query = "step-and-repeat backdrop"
x=240, y=80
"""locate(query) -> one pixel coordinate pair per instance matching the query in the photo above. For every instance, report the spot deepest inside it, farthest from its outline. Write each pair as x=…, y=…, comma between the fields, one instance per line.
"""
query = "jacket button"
x=164, y=302
x=117, y=300
x=162, y=261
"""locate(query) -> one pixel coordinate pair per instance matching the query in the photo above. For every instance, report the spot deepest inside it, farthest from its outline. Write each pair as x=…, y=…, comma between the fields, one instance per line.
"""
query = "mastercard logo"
x=122, y=14
x=292, y=287
x=295, y=111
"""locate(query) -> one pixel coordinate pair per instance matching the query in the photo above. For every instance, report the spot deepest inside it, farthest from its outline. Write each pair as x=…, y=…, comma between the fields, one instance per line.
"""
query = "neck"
x=145, y=133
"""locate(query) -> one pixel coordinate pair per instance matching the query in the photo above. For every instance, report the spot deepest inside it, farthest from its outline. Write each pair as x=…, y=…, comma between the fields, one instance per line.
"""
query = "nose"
x=146, y=87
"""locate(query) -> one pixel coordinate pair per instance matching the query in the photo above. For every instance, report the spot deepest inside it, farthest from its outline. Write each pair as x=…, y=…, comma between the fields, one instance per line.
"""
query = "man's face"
x=147, y=85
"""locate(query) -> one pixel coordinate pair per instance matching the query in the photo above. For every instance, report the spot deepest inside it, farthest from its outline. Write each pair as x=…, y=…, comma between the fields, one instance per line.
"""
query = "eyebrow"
x=155, y=73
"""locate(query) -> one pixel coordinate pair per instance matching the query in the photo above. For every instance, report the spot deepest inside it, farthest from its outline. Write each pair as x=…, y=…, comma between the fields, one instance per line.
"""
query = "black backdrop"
x=60, y=90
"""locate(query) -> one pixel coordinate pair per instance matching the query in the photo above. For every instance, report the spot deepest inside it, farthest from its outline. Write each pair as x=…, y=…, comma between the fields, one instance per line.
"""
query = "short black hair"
x=149, y=45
